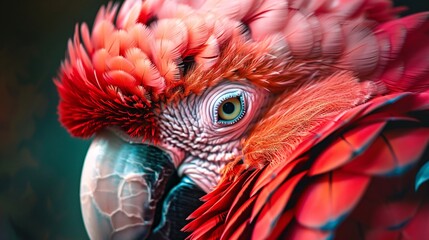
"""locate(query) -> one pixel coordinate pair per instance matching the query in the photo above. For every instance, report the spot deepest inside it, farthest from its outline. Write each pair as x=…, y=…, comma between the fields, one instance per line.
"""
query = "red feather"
x=392, y=152
x=407, y=68
x=272, y=178
x=299, y=232
x=329, y=199
x=346, y=147
x=418, y=227
x=274, y=209
x=238, y=222
x=356, y=76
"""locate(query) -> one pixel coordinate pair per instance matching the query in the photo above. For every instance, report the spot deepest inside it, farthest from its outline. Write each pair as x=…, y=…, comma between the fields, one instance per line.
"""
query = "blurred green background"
x=39, y=162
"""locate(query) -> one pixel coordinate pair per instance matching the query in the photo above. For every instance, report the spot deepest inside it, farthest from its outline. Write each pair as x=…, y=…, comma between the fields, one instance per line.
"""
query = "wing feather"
x=418, y=227
x=392, y=152
x=346, y=147
x=299, y=232
x=294, y=199
x=274, y=209
x=238, y=222
x=326, y=203
x=274, y=181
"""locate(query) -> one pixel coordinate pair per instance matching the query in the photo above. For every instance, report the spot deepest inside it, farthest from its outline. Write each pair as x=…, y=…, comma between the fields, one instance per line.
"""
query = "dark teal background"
x=40, y=163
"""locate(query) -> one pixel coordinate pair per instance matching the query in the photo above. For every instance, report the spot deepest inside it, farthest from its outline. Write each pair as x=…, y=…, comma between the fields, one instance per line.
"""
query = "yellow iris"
x=230, y=109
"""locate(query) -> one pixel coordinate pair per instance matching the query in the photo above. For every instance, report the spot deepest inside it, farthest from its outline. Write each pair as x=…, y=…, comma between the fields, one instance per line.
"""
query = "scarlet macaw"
x=299, y=119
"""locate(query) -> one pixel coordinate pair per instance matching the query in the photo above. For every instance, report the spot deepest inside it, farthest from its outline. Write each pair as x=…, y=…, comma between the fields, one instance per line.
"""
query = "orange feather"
x=335, y=132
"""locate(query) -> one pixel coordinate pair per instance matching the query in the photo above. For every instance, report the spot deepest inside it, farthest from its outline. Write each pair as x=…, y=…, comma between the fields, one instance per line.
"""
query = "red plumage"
x=356, y=172
x=329, y=196
x=337, y=153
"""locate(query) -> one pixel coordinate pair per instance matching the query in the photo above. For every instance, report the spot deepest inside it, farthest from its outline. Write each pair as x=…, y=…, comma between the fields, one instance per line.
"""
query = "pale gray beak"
x=120, y=187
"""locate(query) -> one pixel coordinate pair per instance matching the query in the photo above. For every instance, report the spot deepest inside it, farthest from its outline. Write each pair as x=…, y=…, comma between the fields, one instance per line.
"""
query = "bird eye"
x=230, y=108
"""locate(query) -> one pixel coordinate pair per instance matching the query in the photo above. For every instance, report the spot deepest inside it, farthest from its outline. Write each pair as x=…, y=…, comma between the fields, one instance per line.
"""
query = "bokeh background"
x=40, y=163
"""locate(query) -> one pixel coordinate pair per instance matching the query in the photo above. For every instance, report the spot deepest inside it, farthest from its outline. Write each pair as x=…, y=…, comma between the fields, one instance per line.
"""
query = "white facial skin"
x=200, y=142
x=122, y=182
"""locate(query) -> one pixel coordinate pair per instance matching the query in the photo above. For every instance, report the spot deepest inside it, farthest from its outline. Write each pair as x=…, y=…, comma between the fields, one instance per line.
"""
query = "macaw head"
x=204, y=89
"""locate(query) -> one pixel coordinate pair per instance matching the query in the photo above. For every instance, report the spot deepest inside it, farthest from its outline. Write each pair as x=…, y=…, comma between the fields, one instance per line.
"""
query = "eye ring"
x=230, y=108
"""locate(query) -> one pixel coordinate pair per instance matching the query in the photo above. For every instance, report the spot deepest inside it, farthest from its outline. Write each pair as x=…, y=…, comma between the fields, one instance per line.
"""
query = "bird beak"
x=120, y=186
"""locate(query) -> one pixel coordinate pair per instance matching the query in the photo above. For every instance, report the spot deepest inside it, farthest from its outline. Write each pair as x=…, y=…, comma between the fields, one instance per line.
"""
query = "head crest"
x=149, y=51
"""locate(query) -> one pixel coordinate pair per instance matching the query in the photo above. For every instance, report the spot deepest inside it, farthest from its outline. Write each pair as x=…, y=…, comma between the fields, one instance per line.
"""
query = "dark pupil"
x=228, y=107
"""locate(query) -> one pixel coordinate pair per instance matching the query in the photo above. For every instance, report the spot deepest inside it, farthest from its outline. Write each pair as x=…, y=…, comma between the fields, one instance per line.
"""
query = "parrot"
x=251, y=119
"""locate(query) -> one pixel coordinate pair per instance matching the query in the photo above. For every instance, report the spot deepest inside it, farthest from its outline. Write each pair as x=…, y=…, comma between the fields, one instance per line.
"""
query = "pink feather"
x=361, y=52
x=176, y=33
x=99, y=60
x=120, y=63
x=209, y=55
x=233, y=9
x=129, y=14
x=269, y=18
x=300, y=34
x=331, y=43
x=198, y=32
x=143, y=38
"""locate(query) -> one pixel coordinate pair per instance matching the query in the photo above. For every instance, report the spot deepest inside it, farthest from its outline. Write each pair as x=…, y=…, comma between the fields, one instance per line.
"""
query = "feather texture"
x=334, y=197
x=348, y=131
x=275, y=55
x=407, y=37
x=326, y=202
x=346, y=148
